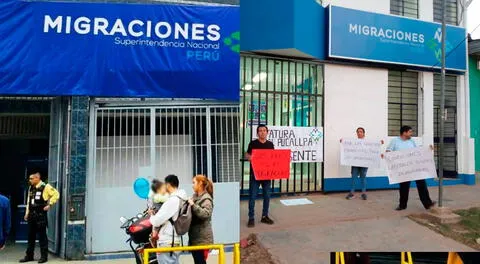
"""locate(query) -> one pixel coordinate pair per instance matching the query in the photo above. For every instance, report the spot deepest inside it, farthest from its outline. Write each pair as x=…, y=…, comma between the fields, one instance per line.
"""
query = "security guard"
x=41, y=196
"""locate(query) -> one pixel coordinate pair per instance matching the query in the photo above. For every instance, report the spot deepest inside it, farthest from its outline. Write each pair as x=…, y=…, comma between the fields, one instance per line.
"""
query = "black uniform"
x=37, y=222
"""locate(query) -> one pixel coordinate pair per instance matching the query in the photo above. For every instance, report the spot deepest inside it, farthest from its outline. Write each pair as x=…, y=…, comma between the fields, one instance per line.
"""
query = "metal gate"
x=135, y=141
x=450, y=133
x=282, y=93
x=55, y=168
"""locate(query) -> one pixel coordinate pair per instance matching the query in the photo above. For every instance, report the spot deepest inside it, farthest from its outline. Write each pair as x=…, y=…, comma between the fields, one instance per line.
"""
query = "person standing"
x=200, y=232
x=5, y=221
x=405, y=141
x=260, y=143
x=359, y=172
x=41, y=197
x=167, y=237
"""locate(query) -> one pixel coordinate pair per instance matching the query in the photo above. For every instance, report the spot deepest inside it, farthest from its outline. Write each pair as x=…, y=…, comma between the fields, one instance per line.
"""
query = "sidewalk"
x=12, y=254
x=333, y=223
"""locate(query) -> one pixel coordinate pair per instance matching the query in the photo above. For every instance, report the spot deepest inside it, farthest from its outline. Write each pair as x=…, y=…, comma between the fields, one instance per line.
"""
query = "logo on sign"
x=435, y=44
x=233, y=41
x=316, y=135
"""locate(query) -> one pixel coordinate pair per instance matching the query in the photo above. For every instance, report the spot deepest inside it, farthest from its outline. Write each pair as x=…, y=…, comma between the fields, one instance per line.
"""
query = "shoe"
x=267, y=220
x=43, y=260
x=251, y=223
x=364, y=196
x=26, y=259
x=431, y=206
x=350, y=196
x=400, y=208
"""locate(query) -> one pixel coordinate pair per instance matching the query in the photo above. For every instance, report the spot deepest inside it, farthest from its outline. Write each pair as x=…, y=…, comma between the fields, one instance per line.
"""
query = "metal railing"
x=280, y=92
x=339, y=258
x=406, y=258
x=219, y=247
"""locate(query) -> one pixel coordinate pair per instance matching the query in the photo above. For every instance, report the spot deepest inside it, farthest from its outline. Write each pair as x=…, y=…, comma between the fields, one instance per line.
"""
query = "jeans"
x=362, y=173
x=168, y=258
x=422, y=192
x=254, y=185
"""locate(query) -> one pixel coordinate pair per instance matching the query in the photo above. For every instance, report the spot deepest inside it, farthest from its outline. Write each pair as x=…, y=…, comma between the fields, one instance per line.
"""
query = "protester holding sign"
x=260, y=143
x=401, y=143
x=360, y=171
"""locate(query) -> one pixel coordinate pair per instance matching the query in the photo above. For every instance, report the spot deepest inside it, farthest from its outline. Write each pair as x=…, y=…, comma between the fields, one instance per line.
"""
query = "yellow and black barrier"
x=220, y=248
x=339, y=258
x=454, y=258
x=406, y=258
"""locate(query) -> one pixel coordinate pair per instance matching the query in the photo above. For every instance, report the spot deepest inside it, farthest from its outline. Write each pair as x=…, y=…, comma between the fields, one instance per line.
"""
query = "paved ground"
x=303, y=233
x=12, y=254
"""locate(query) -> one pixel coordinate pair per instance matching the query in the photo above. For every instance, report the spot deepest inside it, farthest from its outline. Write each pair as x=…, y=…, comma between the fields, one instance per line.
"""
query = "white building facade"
x=377, y=91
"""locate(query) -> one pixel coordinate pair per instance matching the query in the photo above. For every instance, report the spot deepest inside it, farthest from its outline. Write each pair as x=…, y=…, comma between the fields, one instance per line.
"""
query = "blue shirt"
x=5, y=223
x=400, y=144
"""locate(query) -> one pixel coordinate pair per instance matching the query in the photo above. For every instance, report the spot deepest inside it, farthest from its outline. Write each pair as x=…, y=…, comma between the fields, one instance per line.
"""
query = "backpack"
x=184, y=219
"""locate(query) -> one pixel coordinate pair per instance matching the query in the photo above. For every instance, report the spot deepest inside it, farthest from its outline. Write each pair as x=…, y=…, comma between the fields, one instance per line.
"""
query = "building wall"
x=75, y=230
x=377, y=6
x=425, y=8
x=474, y=74
x=358, y=100
x=76, y=178
x=367, y=105
x=361, y=100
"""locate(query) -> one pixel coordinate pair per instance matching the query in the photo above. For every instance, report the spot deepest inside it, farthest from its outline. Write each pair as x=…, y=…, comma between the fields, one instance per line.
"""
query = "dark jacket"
x=200, y=232
x=5, y=223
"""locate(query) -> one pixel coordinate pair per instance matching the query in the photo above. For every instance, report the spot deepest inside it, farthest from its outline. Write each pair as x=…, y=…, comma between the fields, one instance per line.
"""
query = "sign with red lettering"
x=271, y=164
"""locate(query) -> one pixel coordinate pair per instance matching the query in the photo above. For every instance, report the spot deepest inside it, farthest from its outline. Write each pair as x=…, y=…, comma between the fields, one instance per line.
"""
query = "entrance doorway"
x=450, y=133
x=30, y=134
x=130, y=141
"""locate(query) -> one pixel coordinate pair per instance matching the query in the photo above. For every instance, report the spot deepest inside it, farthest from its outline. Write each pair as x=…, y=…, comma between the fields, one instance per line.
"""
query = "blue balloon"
x=141, y=187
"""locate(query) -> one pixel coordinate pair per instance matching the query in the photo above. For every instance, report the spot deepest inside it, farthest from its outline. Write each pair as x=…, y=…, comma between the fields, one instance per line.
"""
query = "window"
x=408, y=8
x=402, y=101
x=279, y=92
x=451, y=11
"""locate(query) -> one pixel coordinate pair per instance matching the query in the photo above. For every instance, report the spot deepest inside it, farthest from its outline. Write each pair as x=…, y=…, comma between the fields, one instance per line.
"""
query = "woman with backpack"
x=200, y=232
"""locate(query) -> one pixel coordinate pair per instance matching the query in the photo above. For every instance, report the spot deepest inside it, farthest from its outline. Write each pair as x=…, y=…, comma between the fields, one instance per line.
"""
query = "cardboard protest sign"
x=360, y=153
x=270, y=164
x=306, y=143
x=410, y=165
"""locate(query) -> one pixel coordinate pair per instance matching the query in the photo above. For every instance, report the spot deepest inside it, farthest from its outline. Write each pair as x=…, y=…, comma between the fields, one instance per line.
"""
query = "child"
x=157, y=198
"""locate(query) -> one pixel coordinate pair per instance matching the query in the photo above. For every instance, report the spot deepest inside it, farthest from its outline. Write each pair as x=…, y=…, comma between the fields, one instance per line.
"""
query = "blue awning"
x=124, y=50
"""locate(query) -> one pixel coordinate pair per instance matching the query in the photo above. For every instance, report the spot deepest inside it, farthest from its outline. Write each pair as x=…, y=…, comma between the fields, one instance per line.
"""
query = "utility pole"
x=442, y=111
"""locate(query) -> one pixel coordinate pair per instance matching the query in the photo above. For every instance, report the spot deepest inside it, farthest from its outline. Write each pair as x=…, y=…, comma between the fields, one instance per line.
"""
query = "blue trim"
x=112, y=256
x=381, y=183
x=468, y=179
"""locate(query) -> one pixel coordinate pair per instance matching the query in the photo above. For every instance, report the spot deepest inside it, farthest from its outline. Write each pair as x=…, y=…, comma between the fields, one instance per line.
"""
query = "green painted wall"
x=474, y=74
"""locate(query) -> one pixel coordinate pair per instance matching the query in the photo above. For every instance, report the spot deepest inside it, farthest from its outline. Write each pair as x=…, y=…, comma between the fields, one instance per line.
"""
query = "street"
x=302, y=234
